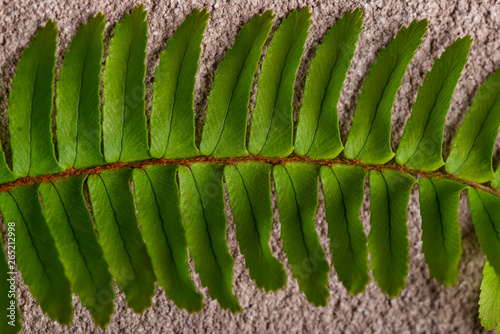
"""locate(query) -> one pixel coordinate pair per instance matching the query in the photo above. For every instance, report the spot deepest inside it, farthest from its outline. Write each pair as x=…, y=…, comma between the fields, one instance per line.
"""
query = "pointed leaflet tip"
x=369, y=138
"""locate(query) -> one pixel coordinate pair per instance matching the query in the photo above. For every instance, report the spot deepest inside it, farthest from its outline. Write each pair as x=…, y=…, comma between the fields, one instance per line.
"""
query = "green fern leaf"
x=249, y=188
x=202, y=208
x=157, y=200
x=422, y=141
x=124, y=119
x=9, y=310
x=71, y=226
x=471, y=155
x=78, y=98
x=230, y=95
x=489, y=300
x=369, y=139
x=271, y=132
x=318, y=134
x=172, y=116
x=178, y=198
x=120, y=238
x=30, y=106
x=485, y=211
x=442, y=242
x=388, y=238
x=297, y=192
x=36, y=254
x=496, y=182
x=343, y=189
x=5, y=173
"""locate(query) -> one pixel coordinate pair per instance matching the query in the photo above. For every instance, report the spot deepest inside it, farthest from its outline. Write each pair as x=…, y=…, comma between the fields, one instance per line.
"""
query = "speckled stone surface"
x=424, y=306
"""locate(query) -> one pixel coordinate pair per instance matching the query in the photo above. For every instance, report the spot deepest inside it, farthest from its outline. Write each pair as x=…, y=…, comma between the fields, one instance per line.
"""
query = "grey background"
x=424, y=306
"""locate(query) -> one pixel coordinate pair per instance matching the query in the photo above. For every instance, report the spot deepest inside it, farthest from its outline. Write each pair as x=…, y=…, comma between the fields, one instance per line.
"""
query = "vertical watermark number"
x=11, y=264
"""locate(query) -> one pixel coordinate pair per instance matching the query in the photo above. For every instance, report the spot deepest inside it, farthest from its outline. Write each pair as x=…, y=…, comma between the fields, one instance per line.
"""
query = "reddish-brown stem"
x=273, y=161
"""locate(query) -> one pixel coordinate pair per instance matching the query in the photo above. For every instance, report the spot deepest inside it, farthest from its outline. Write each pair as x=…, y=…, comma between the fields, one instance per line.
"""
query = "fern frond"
x=150, y=212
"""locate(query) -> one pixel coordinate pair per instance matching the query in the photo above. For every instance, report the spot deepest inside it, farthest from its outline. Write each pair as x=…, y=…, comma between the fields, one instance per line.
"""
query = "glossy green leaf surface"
x=36, y=254
x=124, y=116
x=471, y=155
x=421, y=146
x=297, y=192
x=249, y=188
x=30, y=106
x=485, y=212
x=442, y=241
x=78, y=98
x=230, y=95
x=489, y=300
x=157, y=201
x=72, y=227
x=388, y=238
x=271, y=132
x=343, y=191
x=202, y=208
x=172, y=114
x=318, y=134
x=120, y=238
x=369, y=138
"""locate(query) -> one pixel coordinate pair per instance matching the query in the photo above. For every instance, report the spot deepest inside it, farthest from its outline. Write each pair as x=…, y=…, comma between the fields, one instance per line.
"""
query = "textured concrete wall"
x=424, y=306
